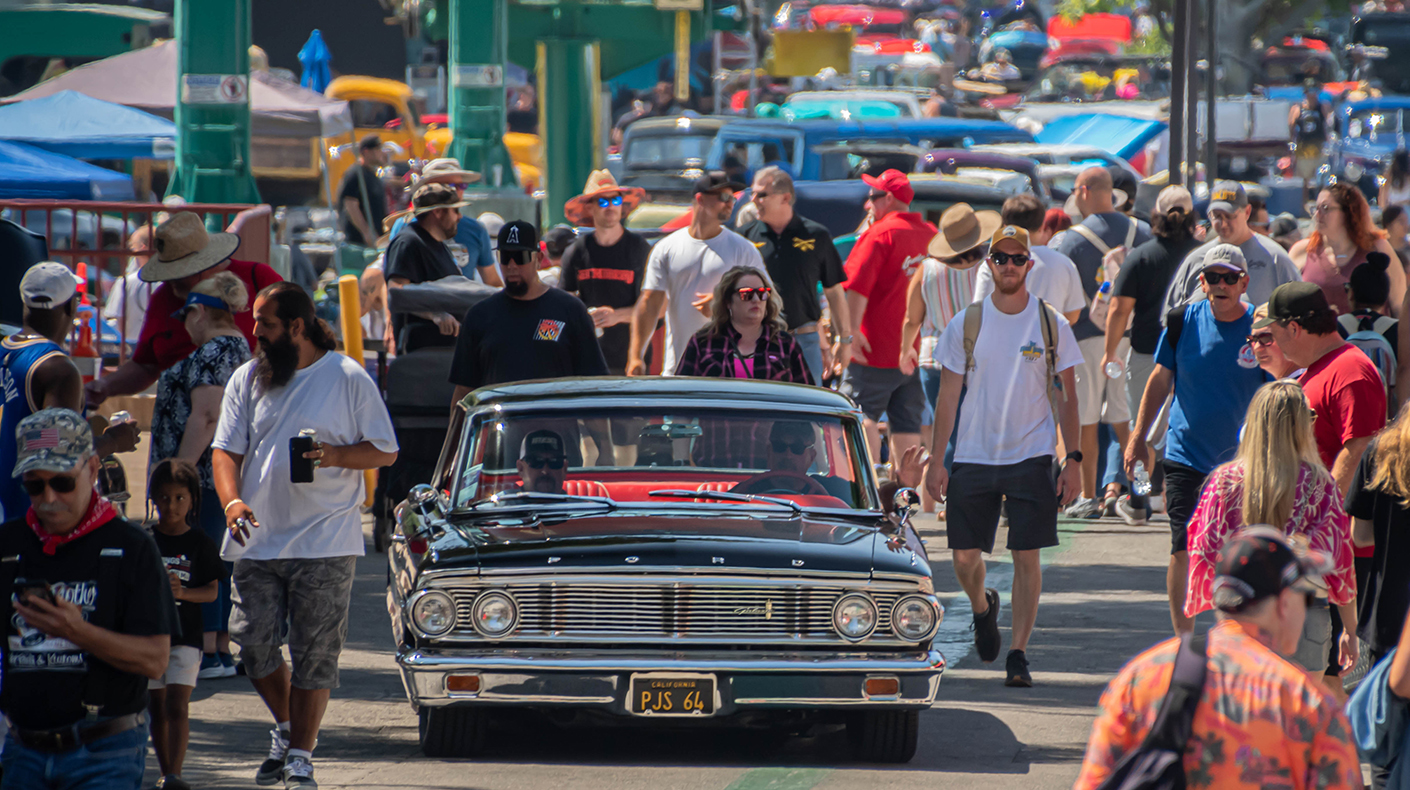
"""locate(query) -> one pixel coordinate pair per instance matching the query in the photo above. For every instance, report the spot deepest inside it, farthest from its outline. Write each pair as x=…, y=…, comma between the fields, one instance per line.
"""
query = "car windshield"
x=667, y=152
x=1371, y=123
x=808, y=460
x=1101, y=82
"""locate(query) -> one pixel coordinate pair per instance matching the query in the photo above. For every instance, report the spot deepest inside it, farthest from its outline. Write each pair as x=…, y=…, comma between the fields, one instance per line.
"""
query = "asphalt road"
x=1103, y=601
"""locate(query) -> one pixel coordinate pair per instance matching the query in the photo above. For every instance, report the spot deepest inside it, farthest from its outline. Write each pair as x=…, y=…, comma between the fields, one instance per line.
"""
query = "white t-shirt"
x=126, y=307
x=1006, y=417
x=1053, y=278
x=335, y=397
x=683, y=266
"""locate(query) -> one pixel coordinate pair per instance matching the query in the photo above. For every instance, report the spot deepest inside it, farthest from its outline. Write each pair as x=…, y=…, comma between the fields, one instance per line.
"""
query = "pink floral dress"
x=1317, y=513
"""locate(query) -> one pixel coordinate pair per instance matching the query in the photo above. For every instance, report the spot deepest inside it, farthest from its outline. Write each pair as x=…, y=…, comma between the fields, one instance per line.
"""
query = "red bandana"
x=100, y=512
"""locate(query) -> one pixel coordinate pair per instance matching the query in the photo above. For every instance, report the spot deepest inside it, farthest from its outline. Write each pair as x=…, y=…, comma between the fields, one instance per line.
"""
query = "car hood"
x=811, y=543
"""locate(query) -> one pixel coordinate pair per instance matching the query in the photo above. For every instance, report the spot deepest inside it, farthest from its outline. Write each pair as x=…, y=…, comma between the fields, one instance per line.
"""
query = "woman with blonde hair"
x=183, y=424
x=1277, y=478
x=746, y=337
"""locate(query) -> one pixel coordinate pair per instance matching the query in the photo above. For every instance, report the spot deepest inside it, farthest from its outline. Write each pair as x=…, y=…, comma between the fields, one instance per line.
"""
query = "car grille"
x=643, y=612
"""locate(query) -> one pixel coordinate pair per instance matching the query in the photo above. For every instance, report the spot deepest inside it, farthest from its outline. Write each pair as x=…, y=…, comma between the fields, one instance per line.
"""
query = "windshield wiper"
x=728, y=496
x=523, y=497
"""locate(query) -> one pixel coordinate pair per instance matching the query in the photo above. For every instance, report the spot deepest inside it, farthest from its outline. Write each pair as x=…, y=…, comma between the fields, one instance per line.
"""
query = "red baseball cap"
x=894, y=182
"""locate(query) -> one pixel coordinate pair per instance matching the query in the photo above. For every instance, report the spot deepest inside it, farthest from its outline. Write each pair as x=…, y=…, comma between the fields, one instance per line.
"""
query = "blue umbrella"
x=315, y=58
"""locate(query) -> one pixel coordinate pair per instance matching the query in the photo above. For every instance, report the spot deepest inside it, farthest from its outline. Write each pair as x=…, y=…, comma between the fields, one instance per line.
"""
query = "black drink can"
x=301, y=468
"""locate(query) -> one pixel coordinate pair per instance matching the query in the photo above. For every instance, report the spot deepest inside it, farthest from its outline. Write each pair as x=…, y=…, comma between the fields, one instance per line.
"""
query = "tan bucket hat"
x=962, y=229
x=600, y=183
x=184, y=247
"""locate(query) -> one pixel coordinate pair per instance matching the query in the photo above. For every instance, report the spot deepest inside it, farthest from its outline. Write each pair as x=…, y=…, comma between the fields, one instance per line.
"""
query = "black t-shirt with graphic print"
x=194, y=558
x=505, y=339
x=45, y=677
x=608, y=277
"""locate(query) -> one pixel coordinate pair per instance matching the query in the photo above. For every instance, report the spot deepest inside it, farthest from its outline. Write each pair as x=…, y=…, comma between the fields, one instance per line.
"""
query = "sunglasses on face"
x=61, y=485
x=1009, y=258
x=750, y=294
x=876, y=195
x=1230, y=278
x=797, y=448
x=539, y=462
x=1261, y=339
x=1325, y=208
x=604, y=202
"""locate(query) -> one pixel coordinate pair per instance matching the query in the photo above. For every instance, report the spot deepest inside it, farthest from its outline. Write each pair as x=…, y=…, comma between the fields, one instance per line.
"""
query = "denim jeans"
x=113, y=763
x=812, y=354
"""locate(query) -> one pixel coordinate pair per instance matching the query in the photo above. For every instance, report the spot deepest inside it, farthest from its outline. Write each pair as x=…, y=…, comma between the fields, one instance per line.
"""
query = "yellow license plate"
x=672, y=695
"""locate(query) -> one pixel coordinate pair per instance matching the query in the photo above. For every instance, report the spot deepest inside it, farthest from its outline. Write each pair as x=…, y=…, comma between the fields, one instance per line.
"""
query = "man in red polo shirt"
x=185, y=255
x=878, y=273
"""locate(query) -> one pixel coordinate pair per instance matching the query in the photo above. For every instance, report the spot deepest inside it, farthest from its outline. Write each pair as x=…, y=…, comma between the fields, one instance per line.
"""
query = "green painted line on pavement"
x=1068, y=528
x=780, y=779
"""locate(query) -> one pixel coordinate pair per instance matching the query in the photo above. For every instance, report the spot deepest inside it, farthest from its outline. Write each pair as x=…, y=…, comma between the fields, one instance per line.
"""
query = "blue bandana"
x=208, y=301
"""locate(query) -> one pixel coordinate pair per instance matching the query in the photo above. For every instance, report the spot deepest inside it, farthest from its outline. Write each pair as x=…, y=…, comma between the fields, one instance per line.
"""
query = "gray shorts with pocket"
x=311, y=596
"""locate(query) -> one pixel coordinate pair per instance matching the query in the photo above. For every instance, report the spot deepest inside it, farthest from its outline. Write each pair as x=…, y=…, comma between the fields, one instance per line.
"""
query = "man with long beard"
x=295, y=545
x=526, y=331
x=1007, y=349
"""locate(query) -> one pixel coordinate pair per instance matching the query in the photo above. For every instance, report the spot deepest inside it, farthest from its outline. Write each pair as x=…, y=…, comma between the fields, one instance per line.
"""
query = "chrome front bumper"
x=600, y=679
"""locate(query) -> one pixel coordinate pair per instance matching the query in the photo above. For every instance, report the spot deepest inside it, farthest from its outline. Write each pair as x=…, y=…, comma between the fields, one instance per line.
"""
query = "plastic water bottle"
x=1141, y=480
x=1113, y=370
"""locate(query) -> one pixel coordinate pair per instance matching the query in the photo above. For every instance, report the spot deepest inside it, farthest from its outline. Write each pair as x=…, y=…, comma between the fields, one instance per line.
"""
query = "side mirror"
x=424, y=507
x=904, y=503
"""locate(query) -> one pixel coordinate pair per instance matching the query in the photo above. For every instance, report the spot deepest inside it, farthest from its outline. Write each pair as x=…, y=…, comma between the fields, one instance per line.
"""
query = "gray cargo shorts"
x=311, y=596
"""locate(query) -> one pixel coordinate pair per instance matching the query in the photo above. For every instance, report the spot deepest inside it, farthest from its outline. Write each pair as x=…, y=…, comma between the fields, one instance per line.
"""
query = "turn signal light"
x=882, y=687
x=464, y=684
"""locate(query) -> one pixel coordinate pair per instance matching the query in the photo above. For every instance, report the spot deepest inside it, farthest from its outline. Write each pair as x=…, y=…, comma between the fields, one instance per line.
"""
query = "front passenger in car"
x=542, y=463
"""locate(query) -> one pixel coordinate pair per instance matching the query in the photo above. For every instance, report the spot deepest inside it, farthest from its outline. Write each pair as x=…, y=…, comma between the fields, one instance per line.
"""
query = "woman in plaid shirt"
x=746, y=337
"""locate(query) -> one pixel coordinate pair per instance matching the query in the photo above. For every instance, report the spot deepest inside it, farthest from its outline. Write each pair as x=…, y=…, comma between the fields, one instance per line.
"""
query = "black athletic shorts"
x=1182, y=487
x=977, y=491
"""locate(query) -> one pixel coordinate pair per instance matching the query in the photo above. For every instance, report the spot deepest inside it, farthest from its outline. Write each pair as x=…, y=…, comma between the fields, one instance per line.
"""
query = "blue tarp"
x=75, y=124
x=27, y=172
x=316, y=61
x=1121, y=135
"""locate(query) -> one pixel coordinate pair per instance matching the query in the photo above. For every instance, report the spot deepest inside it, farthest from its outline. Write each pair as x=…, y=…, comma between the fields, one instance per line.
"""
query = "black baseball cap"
x=557, y=240
x=516, y=238
x=1292, y=301
x=714, y=181
x=1261, y=561
x=542, y=443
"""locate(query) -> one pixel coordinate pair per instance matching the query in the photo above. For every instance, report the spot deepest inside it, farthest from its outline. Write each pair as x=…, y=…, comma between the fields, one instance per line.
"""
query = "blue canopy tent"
x=27, y=172
x=1121, y=135
x=75, y=124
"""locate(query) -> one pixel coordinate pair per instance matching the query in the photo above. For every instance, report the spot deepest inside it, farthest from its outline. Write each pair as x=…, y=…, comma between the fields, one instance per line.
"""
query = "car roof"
x=709, y=122
x=1023, y=149
x=1383, y=103
x=728, y=393
x=871, y=127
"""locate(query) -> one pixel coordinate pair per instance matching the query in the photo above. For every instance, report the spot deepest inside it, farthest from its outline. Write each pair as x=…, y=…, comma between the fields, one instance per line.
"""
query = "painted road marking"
x=780, y=779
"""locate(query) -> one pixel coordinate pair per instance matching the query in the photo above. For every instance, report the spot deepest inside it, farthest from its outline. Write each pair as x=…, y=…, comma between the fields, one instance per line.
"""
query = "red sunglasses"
x=750, y=294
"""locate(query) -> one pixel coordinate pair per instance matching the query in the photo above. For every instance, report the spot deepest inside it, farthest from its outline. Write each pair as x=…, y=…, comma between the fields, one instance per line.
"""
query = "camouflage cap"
x=52, y=440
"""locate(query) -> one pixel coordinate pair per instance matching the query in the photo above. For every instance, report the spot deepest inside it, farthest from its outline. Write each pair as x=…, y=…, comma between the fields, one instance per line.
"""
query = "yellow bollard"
x=350, y=317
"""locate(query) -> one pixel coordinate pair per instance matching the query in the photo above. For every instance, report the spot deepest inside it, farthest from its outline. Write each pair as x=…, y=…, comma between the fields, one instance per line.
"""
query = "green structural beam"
x=567, y=70
x=478, y=37
x=213, y=103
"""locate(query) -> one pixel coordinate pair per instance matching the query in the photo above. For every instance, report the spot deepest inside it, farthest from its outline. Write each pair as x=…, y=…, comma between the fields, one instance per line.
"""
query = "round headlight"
x=494, y=614
x=433, y=613
x=914, y=618
x=854, y=616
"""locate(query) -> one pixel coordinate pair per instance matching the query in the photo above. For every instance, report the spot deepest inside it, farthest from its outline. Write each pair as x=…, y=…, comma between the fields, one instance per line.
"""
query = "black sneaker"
x=1017, y=666
x=271, y=771
x=986, y=628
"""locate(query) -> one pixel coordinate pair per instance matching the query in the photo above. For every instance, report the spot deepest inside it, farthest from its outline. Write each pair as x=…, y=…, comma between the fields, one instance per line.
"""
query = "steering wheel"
x=768, y=483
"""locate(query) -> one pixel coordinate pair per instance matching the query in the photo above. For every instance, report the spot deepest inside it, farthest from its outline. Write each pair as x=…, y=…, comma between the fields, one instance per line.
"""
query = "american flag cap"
x=52, y=440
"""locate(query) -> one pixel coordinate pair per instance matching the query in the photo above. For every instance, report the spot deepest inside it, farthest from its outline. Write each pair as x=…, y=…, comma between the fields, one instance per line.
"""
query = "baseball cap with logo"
x=1010, y=233
x=52, y=440
x=1262, y=561
x=1228, y=196
x=1225, y=256
x=518, y=236
x=542, y=443
x=716, y=181
x=48, y=285
x=893, y=182
x=1292, y=301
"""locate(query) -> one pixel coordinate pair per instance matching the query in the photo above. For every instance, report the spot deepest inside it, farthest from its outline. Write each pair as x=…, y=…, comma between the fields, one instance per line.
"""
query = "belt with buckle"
x=66, y=739
x=810, y=328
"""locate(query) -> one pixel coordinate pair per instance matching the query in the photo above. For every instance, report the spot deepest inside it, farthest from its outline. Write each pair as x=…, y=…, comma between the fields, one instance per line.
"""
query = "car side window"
x=370, y=113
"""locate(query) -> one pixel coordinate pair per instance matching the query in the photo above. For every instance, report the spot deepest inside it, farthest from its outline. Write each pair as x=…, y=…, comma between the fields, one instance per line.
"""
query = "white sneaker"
x=298, y=774
x=1129, y=514
x=272, y=769
x=1084, y=508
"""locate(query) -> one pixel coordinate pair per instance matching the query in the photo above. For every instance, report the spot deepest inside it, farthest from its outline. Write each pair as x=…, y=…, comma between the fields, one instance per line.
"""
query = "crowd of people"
x=1076, y=357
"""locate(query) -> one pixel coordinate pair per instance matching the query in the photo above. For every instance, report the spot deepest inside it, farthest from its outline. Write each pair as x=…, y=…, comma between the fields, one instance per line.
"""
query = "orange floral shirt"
x=1261, y=724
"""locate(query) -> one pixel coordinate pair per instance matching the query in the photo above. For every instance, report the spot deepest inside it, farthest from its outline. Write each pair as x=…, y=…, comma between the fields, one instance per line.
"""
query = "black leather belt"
x=66, y=739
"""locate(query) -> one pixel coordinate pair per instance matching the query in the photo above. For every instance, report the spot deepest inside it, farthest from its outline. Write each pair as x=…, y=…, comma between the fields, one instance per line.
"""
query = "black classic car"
x=662, y=550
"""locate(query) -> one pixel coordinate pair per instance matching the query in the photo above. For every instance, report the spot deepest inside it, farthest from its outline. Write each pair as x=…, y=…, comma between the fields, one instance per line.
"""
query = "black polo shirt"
x=798, y=259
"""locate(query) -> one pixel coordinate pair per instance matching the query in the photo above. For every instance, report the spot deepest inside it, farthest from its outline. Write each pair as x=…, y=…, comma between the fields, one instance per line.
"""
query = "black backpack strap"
x=1174, y=325
x=105, y=615
x=1176, y=719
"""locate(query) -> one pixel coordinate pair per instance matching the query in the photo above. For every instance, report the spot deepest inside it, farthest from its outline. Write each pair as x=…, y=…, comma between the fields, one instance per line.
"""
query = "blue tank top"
x=17, y=363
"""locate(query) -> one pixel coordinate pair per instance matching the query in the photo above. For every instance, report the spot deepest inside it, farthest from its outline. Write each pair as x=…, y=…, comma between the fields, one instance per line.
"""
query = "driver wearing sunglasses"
x=542, y=464
x=790, y=454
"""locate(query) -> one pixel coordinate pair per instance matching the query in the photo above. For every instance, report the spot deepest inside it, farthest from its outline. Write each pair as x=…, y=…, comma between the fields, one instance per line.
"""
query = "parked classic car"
x=703, y=551
x=1368, y=134
x=664, y=156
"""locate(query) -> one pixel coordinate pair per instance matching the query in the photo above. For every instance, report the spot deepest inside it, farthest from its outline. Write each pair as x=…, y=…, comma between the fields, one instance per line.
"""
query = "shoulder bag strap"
x=9, y=569
x=1091, y=235
x=1047, y=319
x=1131, y=233
x=1175, y=722
x=973, y=317
x=105, y=609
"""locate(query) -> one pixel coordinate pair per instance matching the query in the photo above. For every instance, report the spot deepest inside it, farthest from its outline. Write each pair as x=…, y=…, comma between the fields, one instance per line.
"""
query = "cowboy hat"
x=183, y=248
x=600, y=183
x=444, y=171
x=1118, y=198
x=962, y=229
x=429, y=197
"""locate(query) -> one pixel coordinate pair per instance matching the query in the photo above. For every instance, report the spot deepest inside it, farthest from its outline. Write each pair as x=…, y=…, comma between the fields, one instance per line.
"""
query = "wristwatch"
x=844, y=340
x=1075, y=455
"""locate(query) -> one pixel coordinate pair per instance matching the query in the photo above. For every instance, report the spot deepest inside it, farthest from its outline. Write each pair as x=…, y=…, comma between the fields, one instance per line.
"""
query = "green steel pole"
x=569, y=90
x=479, y=36
x=213, y=103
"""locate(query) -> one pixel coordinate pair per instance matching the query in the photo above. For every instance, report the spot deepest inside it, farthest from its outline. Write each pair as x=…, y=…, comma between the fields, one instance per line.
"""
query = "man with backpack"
x=1243, y=716
x=1004, y=449
x=1204, y=357
x=1367, y=327
x=1098, y=247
